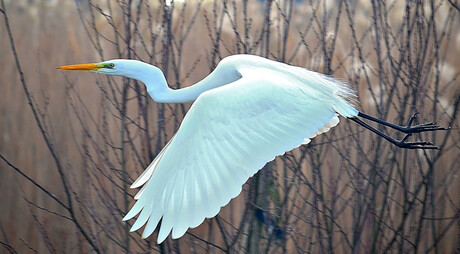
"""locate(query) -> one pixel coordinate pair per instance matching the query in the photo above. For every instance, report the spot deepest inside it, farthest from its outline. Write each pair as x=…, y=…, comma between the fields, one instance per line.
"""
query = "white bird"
x=246, y=112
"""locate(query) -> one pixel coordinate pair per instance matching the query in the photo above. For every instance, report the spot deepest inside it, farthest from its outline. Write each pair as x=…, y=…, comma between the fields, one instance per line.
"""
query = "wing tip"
x=129, y=215
x=162, y=236
x=136, y=184
x=178, y=233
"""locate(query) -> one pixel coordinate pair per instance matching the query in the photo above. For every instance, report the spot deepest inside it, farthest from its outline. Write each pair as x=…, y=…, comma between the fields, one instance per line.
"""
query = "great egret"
x=246, y=112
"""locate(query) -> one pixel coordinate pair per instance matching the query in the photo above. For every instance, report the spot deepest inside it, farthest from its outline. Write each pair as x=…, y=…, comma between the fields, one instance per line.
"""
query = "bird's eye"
x=110, y=65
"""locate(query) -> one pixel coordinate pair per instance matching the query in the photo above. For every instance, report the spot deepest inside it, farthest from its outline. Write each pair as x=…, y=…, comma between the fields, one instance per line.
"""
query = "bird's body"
x=246, y=112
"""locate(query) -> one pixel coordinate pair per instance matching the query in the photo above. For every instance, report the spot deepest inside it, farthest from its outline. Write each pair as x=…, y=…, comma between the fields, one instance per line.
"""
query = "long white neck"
x=168, y=95
x=158, y=88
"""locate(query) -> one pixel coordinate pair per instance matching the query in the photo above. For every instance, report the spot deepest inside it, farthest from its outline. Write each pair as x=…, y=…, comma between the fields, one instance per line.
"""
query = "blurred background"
x=71, y=143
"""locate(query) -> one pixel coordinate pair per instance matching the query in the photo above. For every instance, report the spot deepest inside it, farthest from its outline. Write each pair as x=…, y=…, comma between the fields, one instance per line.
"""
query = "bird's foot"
x=415, y=145
x=409, y=129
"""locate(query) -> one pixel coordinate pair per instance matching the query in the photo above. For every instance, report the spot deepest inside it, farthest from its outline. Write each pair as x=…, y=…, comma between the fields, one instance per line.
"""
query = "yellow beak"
x=82, y=67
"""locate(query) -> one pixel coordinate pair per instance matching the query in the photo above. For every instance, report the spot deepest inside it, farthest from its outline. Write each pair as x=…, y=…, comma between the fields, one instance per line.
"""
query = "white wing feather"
x=228, y=134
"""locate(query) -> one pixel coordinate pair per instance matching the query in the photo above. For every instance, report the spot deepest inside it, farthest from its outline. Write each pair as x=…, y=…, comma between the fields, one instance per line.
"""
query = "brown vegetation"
x=72, y=143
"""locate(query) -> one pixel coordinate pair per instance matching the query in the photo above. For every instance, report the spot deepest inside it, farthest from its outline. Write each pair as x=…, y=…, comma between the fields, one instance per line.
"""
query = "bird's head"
x=150, y=75
x=120, y=67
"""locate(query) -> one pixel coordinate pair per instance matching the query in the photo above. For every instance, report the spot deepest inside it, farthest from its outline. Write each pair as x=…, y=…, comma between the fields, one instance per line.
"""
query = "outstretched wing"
x=228, y=134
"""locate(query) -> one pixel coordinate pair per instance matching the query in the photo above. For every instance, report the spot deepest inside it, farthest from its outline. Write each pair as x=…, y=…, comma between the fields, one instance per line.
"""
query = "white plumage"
x=247, y=111
x=231, y=132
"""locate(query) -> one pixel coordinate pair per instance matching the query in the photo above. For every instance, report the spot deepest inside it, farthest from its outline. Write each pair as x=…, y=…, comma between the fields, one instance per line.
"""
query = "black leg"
x=408, y=129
